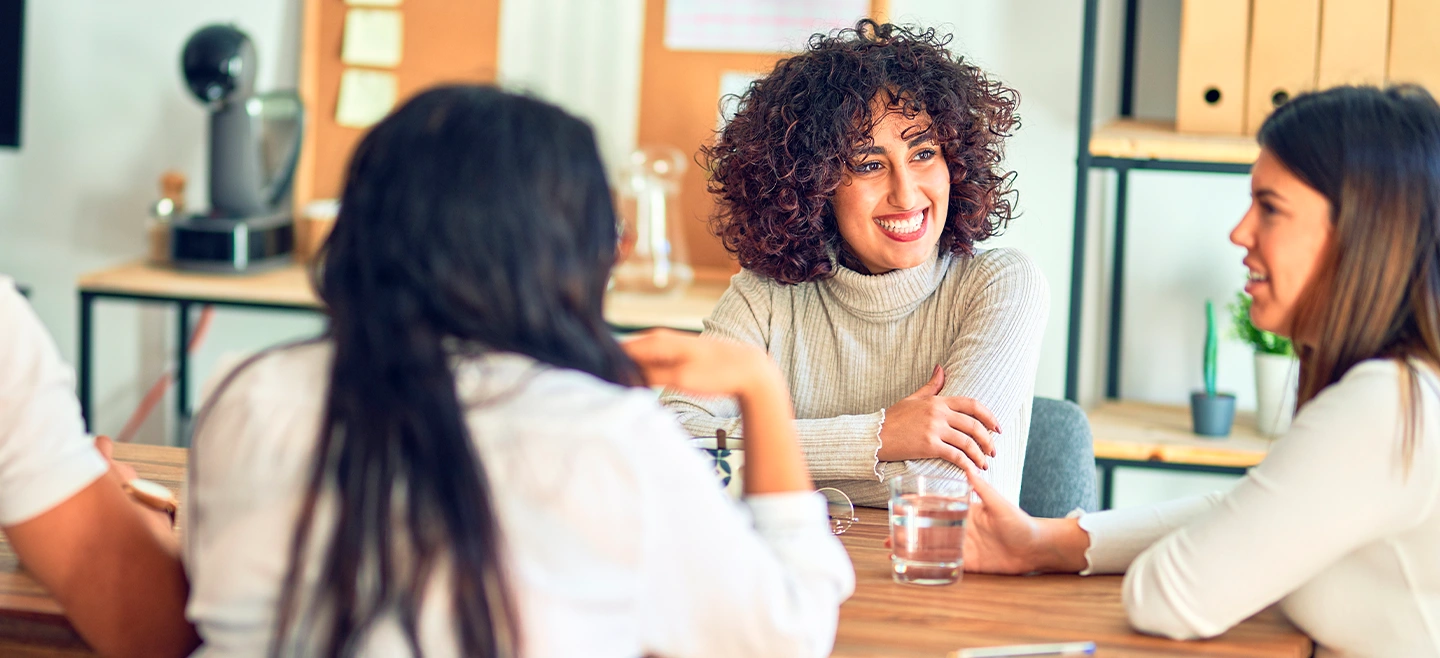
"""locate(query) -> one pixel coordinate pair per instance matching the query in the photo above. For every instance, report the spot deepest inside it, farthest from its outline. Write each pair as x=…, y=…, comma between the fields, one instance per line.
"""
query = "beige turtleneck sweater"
x=854, y=344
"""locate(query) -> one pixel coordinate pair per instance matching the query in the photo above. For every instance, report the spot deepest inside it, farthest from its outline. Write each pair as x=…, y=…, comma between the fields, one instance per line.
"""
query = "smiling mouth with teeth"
x=1256, y=277
x=903, y=227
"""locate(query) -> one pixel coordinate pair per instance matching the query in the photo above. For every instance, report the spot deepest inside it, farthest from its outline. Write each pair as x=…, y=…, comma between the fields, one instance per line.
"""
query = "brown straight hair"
x=1375, y=155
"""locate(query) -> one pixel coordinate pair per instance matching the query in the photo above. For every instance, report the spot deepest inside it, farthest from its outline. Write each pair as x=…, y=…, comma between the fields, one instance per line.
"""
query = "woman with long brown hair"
x=1341, y=522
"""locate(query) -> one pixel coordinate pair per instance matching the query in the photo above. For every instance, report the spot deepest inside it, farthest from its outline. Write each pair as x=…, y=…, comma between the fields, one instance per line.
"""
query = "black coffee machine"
x=254, y=145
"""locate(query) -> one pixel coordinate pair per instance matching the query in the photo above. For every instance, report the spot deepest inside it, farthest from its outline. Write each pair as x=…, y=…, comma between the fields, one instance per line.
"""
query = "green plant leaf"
x=1212, y=349
x=1263, y=342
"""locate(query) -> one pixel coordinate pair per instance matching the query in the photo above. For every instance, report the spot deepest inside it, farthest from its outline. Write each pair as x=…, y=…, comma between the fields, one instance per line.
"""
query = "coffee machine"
x=254, y=146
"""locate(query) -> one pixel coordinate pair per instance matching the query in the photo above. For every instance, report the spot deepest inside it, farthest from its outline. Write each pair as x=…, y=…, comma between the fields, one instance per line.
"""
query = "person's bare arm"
x=113, y=567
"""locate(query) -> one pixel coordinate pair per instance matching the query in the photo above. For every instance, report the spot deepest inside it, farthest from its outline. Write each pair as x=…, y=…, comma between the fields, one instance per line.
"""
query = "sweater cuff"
x=843, y=448
x=879, y=477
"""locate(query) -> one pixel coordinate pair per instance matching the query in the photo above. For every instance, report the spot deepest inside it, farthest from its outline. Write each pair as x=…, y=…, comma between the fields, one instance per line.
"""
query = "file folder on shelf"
x=1214, y=38
x=1414, y=44
x=1284, y=40
x=1354, y=42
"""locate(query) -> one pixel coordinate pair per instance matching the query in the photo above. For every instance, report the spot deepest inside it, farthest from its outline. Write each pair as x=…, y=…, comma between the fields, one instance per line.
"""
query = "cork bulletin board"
x=679, y=103
x=444, y=41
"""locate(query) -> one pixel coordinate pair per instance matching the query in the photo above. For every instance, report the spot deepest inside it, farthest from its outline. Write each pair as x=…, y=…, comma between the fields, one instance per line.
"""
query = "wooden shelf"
x=290, y=286
x=1133, y=139
x=1138, y=431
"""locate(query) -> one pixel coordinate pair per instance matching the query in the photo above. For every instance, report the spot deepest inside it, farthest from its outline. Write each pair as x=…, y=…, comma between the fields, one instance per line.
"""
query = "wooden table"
x=289, y=289
x=881, y=619
x=1155, y=436
x=31, y=623
x=887, y=619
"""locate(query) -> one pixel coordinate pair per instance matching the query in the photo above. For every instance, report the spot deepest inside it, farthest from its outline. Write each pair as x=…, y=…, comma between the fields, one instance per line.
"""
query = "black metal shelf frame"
x=1085, y=162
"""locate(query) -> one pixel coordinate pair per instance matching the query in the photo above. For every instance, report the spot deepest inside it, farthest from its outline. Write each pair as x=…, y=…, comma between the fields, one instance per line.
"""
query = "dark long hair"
x=472, y=220
x=1375, y=156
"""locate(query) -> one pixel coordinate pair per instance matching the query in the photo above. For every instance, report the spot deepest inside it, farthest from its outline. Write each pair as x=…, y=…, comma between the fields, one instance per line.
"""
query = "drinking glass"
x=927, y=528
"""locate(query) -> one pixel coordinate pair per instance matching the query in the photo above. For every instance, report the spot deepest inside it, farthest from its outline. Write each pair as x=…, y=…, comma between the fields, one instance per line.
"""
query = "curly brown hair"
x=775, y=167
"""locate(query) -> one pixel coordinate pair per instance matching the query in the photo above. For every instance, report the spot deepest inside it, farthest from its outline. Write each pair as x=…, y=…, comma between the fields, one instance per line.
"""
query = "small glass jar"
x=163, y=212
x=652, y=255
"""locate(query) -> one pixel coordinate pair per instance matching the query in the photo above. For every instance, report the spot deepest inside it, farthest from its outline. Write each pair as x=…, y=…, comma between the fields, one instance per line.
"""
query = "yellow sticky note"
x=365, y=97
x=373, y=37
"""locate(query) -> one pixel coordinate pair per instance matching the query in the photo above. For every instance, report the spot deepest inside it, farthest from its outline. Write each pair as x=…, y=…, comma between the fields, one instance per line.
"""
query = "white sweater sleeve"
x=838, y=448
x=761, y=579
x=993, y=359
x=1335, y=482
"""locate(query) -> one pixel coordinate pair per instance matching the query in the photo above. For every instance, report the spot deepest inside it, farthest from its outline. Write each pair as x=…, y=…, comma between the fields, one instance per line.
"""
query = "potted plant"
x=1211, y=413
x=1277, y=373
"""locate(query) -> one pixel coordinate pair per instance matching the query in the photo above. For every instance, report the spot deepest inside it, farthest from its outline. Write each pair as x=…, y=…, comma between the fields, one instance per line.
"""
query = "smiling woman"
x=854, y=184
x=1340, y=524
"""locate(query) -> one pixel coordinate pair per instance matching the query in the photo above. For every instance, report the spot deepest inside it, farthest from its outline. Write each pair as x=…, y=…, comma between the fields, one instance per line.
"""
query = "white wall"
x=582, y=55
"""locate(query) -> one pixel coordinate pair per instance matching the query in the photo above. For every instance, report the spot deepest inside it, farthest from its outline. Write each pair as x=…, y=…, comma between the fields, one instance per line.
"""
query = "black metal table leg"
x=87, y=304
x=1107, y=486
x=182, y=373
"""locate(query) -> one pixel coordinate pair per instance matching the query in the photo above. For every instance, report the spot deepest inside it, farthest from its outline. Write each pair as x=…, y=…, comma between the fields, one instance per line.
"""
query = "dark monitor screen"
x=12, y=26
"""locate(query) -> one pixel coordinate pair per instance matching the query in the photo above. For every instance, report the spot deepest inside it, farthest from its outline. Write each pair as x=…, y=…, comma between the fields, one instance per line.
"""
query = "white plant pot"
x=1277, y=380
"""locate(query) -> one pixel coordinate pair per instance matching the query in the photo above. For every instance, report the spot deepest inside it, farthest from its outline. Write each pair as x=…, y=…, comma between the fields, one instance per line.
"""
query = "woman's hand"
x=158, y=521
x=1003, y=539
x=773, y=460
x=925, y=425
x=702, y=366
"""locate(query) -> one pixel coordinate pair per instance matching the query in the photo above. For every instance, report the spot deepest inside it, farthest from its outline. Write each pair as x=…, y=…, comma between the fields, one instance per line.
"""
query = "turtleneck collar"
x=887, y=296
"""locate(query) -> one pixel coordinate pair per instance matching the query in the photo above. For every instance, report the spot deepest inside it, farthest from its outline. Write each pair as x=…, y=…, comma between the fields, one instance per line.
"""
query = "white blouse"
x=1333, y=525
x=617, y=537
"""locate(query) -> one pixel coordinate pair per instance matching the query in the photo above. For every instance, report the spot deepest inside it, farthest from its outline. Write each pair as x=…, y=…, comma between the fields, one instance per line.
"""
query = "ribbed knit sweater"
x=853, y=344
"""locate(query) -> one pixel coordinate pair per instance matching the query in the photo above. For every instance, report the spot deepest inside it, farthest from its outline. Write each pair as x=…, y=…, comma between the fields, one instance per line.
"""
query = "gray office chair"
x=1059, y=461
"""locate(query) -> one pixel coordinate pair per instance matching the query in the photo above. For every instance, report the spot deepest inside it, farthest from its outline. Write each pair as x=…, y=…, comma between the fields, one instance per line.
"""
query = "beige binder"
x=1284, y=38
x=1354, y=42
x=1415, y=43
x=1214, y=36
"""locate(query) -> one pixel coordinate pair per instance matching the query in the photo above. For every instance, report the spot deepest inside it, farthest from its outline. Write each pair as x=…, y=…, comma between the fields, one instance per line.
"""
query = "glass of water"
x=927, y=528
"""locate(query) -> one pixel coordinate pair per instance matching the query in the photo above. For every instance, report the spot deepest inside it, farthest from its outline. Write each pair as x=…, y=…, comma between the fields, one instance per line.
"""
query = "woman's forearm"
x=120, y=582
x=773, y=460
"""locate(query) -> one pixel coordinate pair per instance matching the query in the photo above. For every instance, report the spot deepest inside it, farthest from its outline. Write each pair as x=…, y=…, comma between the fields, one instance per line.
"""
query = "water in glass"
x=927, y=533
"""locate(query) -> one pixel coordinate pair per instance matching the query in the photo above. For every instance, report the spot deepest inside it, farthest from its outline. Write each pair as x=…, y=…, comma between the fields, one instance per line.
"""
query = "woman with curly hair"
x=854, y=184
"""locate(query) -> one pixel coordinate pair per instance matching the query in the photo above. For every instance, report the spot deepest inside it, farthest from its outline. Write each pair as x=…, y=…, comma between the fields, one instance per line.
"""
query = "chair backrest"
x=1059, y=461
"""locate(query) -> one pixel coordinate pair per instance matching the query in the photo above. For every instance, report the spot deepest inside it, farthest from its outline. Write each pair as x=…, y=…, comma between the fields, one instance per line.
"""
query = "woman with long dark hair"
x=459, y=465
x=855, y=185
x=1341, y=522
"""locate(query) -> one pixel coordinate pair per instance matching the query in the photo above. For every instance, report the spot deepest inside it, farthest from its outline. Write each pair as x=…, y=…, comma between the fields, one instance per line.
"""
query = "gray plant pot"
x=1212, y=416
